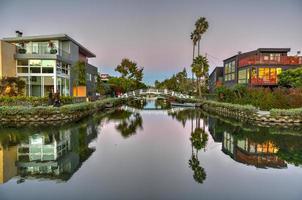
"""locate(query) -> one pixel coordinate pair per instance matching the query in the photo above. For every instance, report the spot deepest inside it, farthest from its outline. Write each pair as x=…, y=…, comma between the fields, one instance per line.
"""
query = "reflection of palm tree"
x=199, y=172
x=198, y=141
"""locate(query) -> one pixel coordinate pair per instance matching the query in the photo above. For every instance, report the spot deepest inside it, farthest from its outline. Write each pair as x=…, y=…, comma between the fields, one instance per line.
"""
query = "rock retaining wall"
x=248, y=114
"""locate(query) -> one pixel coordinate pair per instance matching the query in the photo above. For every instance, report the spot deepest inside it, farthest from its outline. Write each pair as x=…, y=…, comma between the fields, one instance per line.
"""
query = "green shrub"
x=263, y=98
x=234, y=107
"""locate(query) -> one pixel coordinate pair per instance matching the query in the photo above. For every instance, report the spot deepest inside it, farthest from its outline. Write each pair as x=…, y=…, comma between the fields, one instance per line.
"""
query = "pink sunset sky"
x=156, y=34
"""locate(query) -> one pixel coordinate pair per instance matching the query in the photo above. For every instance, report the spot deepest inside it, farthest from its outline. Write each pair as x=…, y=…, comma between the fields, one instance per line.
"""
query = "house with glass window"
x=259, y=67
x=215, y=79
x=45, y=63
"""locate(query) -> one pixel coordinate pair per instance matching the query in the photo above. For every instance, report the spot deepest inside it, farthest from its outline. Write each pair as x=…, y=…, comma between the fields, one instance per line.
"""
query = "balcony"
x=259, y=60
x=41, y=52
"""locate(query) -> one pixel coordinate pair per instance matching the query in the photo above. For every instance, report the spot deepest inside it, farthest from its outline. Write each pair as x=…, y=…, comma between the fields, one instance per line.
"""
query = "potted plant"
x=21, y=49
x=53, y=50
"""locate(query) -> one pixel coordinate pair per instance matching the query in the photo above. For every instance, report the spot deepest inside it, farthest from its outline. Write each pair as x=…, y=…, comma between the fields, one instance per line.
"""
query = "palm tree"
x=195, y=37
x=201, y=26
x=200, y=67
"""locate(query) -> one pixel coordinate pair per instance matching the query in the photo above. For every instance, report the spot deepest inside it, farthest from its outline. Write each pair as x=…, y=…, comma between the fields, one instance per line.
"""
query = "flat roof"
x=275, y=50
x=51, y=37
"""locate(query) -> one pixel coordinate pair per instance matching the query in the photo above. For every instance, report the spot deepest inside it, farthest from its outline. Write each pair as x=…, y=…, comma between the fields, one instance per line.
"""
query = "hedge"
x=34, y=101
x=233, y=107
x=47, y=110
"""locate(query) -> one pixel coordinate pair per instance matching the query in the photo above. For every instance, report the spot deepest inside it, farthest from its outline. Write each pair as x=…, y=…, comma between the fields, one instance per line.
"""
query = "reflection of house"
x=260, y=155
x=47, y=155
x=8, y=157
x=215, y=129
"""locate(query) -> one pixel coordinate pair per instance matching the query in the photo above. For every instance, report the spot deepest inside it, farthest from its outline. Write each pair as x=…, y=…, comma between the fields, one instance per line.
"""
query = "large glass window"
x=243, y=76
x=229, y=71
x=23, y=70
x=22, y=62
x=48, y=66
x=48, y=85
x=35, y=62
x=36, y=86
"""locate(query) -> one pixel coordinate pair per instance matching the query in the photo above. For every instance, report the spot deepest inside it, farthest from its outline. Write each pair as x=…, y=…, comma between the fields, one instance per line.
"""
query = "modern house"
x=259, y=67
x=45, y=63
x=216, y=79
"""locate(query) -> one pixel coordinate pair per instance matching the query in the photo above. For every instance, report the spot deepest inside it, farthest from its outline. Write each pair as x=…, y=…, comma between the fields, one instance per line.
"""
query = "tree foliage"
x=130, y=79
x=291, y=78
x=178, y=83
x=200, y=67
x=79, y=73
x=12, y=86
x=129, y=70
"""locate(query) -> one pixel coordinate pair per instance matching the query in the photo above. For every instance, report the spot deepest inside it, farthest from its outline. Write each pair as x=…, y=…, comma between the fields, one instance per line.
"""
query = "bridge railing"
x=164, y=92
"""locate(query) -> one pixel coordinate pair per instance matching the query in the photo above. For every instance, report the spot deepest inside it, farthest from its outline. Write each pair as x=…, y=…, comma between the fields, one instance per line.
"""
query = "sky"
x=156, y=33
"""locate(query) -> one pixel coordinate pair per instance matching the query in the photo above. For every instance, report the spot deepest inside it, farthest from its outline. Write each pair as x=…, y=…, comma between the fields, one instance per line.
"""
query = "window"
x=35, y=70
x=35, y=62
x=22, y=69
x=229, y=71
x=243, y=76
x=48, y=63
x=22, y=62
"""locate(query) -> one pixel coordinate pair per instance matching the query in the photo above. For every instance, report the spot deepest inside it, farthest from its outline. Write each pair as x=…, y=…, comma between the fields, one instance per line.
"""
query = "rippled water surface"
x=130, y=153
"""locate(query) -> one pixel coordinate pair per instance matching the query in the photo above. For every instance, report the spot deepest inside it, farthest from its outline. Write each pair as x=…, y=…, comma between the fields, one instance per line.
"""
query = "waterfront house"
x=260, y=67
x=216, y=79
x=45, y=63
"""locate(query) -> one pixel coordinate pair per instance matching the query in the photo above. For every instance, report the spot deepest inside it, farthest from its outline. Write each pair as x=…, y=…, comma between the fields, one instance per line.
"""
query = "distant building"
x=44, y=62
x=216, y=79
x=259, y=67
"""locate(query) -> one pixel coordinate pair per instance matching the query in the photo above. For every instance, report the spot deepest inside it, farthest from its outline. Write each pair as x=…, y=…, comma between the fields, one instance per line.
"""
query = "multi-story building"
x=45, y=63
x=216, y=79
x=259, y=67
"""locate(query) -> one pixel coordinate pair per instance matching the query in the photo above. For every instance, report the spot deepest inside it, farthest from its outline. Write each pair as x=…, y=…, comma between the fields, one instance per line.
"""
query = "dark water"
x=151, y=154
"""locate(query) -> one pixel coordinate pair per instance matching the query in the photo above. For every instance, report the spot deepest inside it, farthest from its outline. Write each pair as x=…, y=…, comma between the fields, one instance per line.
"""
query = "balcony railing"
x=283, y=60
x=42, y=50
x=264, y=81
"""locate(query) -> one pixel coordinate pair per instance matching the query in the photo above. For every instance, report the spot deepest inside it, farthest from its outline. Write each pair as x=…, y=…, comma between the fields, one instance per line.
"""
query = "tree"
x=200, y=67
x=201, y=26
x=291, y=78
x=129, y=69
x=195, y=37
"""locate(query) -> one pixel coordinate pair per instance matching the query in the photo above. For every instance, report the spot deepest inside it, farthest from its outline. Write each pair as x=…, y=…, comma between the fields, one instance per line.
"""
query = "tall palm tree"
x=201, y=26
x=200, y=67
x=195, y=37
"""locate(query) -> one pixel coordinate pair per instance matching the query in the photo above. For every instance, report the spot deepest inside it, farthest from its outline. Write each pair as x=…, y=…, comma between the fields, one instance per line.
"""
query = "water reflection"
x=183, y=150
x=45, y=154
x=128, y=122
x=262, y=147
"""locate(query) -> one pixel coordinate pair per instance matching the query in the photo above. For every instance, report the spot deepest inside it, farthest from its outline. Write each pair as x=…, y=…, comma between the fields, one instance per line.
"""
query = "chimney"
x=19, y=34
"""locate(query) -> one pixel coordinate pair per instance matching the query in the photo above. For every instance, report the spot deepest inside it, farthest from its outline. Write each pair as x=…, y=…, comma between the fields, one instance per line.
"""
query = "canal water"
x=152, y=153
